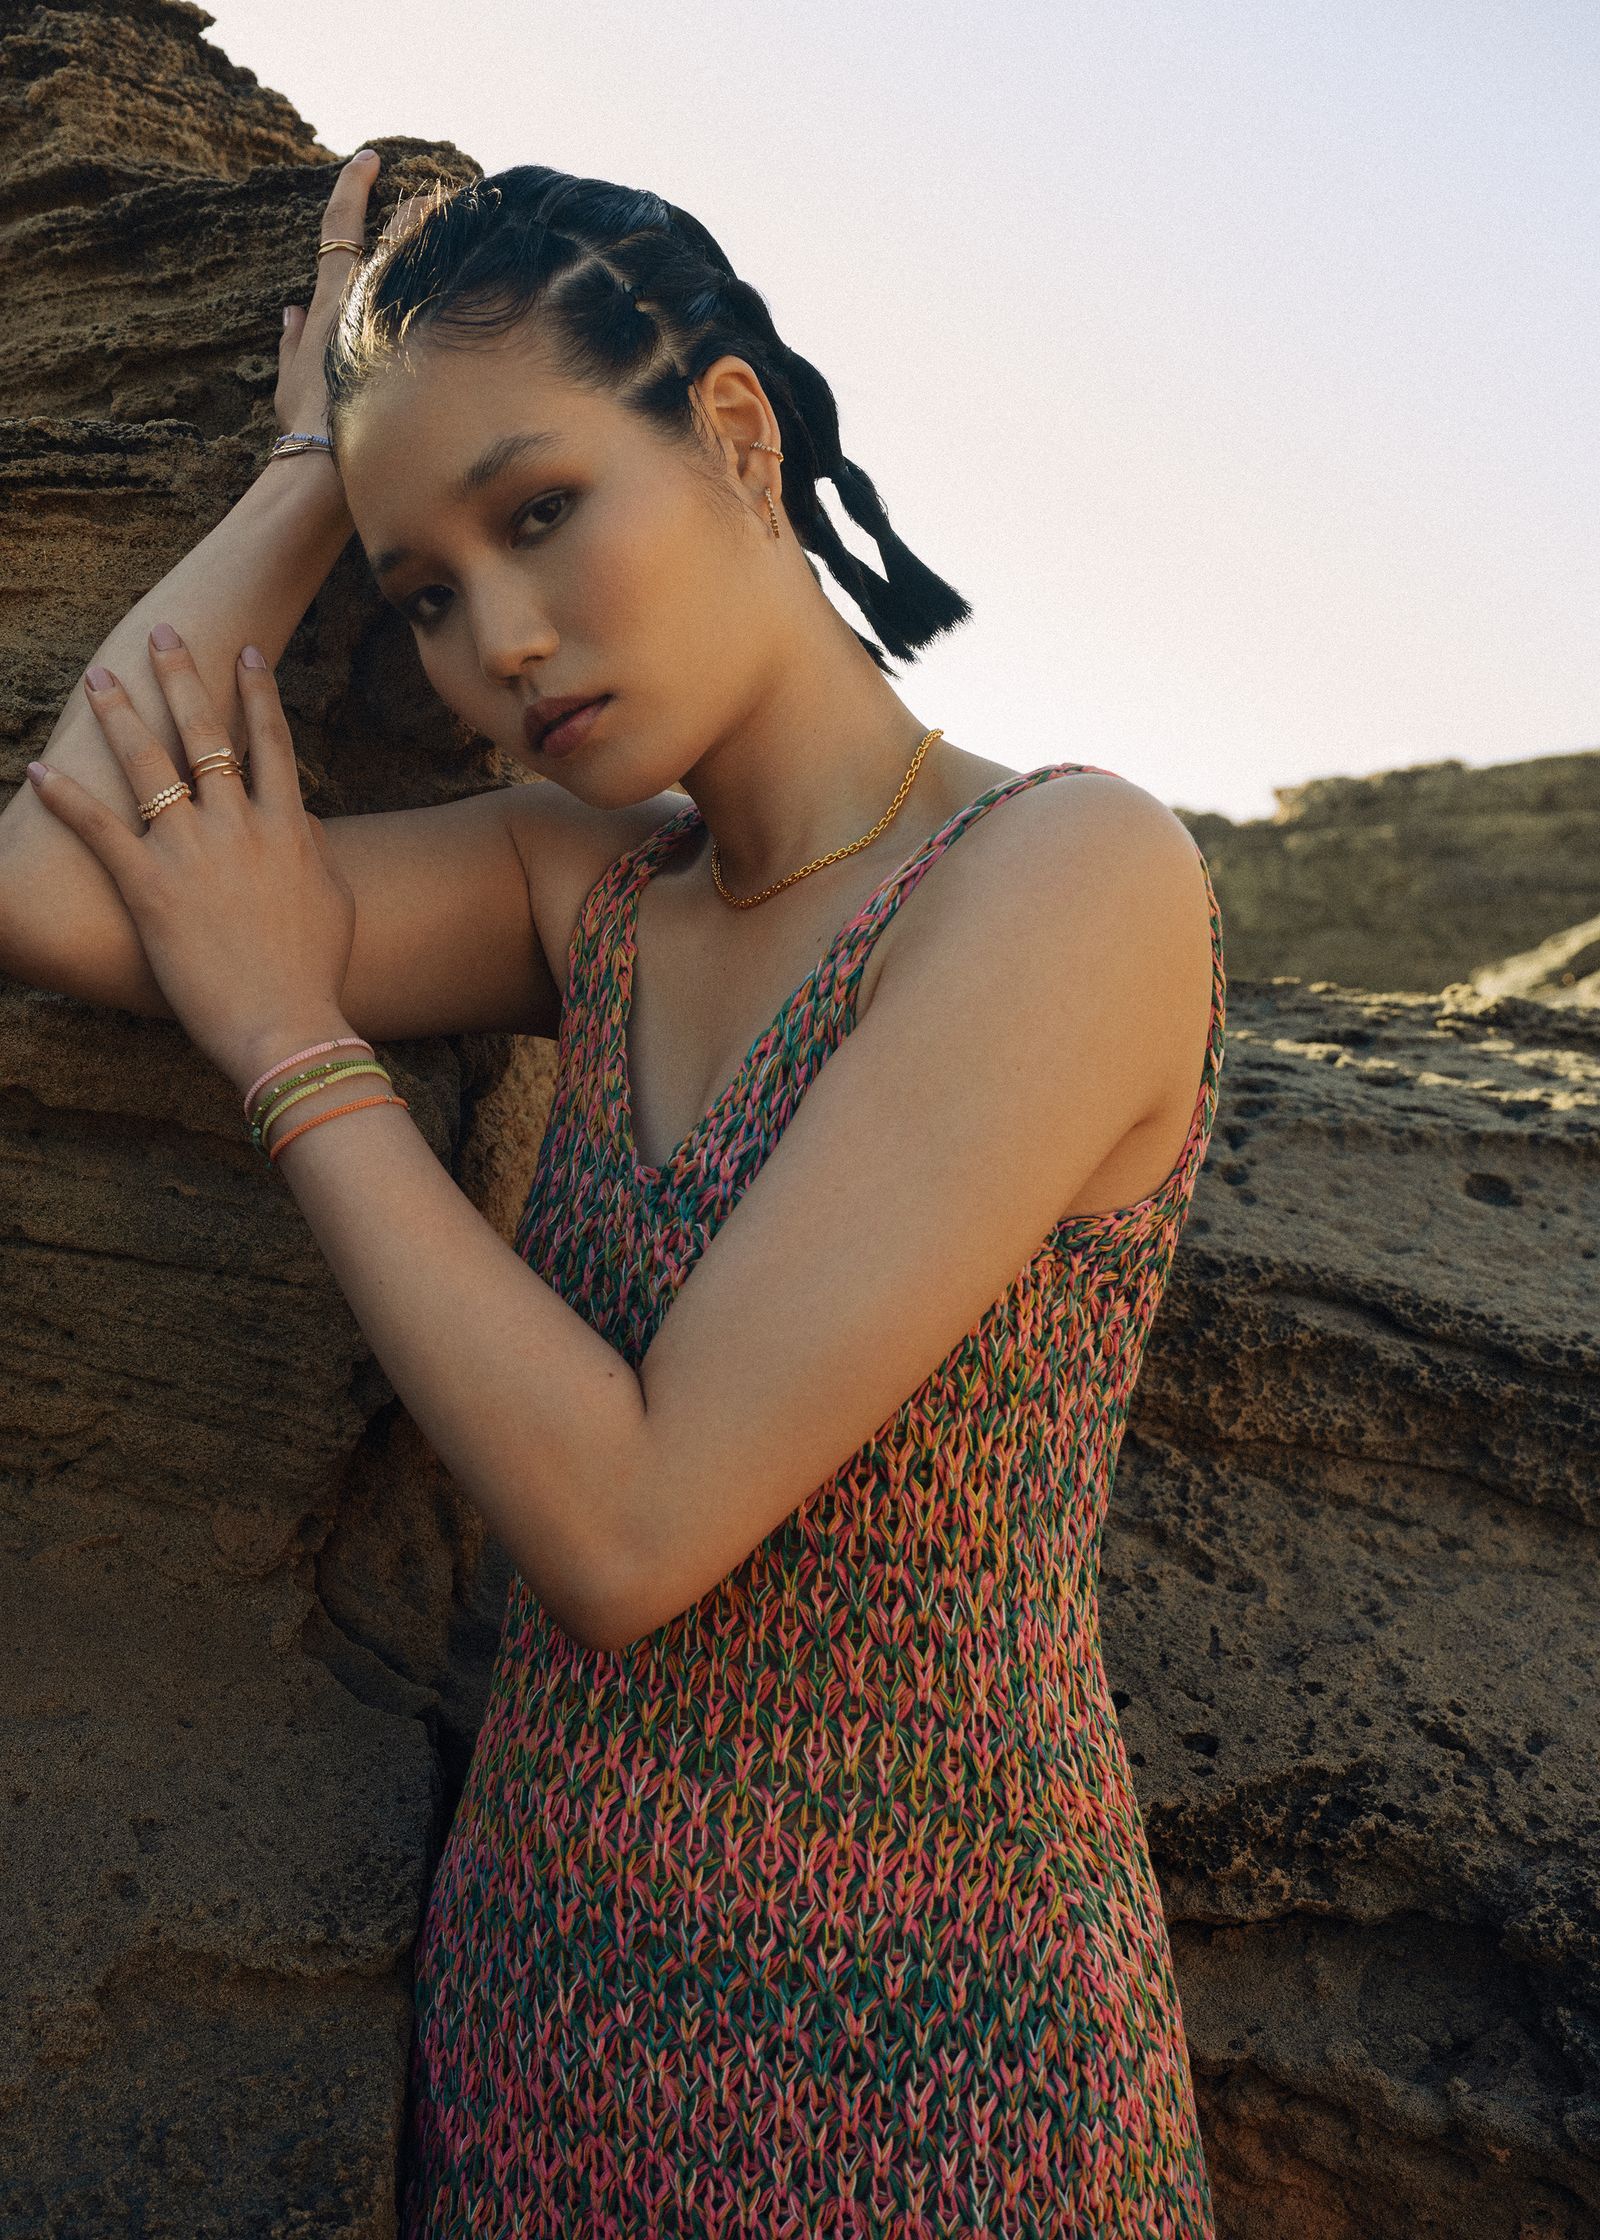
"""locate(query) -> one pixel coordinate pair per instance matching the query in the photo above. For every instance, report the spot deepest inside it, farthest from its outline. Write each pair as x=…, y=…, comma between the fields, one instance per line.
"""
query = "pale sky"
x=1234, y=358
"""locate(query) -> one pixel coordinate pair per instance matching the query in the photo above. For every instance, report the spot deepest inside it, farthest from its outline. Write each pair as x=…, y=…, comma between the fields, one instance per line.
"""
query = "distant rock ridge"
x=1349, y=1590
x=1415, y=879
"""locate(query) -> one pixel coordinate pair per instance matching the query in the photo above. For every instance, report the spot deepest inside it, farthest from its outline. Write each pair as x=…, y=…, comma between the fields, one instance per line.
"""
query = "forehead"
x=435, y=403
x=438, y=423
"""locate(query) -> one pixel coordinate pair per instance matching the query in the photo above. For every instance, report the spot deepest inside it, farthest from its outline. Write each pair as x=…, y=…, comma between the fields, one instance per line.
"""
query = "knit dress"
x=826, y=1908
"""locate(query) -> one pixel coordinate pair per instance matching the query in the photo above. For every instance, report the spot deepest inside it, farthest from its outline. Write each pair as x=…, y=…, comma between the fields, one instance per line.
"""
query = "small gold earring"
x=772, y=514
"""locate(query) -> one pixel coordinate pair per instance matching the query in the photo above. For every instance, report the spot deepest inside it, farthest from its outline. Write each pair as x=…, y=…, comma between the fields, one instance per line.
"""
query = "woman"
x=798, y=1884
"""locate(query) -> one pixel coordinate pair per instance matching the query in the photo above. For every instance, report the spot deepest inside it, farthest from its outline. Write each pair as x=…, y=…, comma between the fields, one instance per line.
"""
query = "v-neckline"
x=645, y=865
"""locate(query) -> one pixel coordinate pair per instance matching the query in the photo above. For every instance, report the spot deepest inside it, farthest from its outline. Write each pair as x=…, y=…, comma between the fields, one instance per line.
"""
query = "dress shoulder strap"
x=855, y=944
x=859, y=935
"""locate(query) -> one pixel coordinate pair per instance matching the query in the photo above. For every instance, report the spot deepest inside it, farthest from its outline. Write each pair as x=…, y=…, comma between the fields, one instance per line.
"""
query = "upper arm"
x=449, y=906
x=1007, y=1050
x=460, y=909
x=444, y=938
x=444, y=935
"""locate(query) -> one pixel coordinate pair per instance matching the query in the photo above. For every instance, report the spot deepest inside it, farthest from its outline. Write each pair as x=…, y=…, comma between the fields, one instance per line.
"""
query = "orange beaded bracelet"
x=317, y=1119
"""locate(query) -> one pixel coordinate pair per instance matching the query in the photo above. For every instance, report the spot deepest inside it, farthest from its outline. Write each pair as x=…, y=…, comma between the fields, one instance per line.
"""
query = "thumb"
x=94, y=821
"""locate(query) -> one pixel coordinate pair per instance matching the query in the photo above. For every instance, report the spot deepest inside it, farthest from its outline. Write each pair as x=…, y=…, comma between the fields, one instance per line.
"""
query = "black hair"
x=637, y=297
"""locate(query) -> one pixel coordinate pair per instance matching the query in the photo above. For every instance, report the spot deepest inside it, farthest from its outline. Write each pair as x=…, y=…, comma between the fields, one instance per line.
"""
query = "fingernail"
x=164, y=636
x=38, y=772
x=286, y=314
x=365, y=155
x=253, y=658
x=98, y=679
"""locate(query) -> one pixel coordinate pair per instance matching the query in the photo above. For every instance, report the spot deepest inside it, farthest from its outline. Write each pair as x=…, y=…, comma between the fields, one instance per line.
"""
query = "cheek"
x=662, y=551
x=455, y=677
x=436, y=663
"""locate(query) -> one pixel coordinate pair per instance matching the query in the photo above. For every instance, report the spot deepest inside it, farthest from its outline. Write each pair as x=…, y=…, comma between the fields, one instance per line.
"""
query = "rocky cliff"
x=1413, y=879
x=1349, y=1591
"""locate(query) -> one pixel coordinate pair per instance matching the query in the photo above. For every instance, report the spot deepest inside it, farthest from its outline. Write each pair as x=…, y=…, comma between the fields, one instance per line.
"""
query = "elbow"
x=600, y=1628
x=604, y=1602
x=605, y=1576
x=612, y=1613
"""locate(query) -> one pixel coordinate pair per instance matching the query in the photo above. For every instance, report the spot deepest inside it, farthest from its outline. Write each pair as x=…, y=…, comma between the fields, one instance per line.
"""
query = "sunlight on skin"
x=621, y=561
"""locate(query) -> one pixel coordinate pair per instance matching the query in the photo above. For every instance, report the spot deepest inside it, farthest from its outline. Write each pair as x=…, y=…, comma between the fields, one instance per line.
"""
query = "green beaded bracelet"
x=306, y=1084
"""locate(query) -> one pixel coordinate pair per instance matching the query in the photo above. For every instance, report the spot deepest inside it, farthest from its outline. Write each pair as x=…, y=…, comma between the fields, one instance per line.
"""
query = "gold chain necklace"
x=834, y=855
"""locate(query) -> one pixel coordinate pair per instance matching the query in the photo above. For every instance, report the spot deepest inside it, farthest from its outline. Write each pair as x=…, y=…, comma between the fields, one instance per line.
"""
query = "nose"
x=511, y=632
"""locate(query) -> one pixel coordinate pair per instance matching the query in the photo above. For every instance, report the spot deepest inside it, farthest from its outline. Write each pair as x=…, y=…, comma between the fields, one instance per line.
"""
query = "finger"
x=345, y=219
x=275, y=779
x=200, y=725
x=145, y=762
x=97, y=825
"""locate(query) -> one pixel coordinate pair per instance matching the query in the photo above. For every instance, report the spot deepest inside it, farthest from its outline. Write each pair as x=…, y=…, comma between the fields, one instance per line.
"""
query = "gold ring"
x=223, y=759
x=357, y=246
x=152, y=808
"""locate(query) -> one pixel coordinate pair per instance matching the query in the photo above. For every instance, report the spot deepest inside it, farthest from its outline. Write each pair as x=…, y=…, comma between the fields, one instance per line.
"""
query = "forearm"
x=251, y=578
x=540, y=1422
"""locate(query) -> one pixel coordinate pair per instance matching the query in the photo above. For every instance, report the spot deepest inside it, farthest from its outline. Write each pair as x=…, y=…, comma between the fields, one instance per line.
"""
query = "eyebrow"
x=505, y=451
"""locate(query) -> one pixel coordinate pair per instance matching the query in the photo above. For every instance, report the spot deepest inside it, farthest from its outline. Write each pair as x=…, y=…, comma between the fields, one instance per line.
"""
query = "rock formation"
x=1349, y=1577
x=1565, y=969
x=1410, y=879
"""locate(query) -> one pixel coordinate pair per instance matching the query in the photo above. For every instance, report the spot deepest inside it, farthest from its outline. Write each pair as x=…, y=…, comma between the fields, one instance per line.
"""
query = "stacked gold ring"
x=358, y=246
x=164, y=800
x=223, y=759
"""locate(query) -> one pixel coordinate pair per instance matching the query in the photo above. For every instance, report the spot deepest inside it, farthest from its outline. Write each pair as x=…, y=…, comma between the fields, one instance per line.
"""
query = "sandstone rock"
x=1349, y=1608
x=247, y=1617
x=1563, y=970
x=1410, y=879
x=1349, y=1576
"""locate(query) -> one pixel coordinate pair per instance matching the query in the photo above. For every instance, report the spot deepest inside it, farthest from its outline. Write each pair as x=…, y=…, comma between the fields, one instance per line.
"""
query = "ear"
x=737, y=416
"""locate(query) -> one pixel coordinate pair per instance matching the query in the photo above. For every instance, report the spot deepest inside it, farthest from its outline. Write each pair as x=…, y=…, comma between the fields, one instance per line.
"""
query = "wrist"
x=306, y=480
x=269, y=1048
x=293, y=1103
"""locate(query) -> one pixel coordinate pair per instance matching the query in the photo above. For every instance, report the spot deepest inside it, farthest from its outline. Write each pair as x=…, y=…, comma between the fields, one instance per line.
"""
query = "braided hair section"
x=636, y=295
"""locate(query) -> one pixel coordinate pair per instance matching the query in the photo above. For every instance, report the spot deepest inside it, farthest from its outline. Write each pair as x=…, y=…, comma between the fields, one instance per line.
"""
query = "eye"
x=410, y=609
x=550, y=498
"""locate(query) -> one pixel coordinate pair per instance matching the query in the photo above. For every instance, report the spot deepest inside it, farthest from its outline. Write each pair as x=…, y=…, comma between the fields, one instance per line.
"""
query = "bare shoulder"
x=1070, y=821
x=1109, y=837
x=566, y=845
x=1081, y=902
x=1078, y=857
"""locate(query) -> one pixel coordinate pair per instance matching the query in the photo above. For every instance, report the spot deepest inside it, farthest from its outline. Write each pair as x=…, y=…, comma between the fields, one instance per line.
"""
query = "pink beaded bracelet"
x=340, y=1042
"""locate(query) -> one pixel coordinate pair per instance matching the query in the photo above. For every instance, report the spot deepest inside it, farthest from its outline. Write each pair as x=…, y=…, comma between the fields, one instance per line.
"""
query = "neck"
x=813, y=767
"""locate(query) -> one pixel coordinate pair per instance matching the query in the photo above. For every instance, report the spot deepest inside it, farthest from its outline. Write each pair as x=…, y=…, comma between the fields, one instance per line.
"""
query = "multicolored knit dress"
x=826, y=1908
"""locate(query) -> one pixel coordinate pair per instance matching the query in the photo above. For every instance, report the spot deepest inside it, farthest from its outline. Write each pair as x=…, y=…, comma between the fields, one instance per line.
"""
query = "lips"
x=546, y=713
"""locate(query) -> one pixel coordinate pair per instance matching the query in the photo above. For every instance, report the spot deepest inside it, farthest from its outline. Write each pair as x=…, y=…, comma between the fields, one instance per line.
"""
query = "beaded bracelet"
x=284, y=1088
x=305, y=1084
x=292, y=441
x=317, y=1118
x=340, y=1042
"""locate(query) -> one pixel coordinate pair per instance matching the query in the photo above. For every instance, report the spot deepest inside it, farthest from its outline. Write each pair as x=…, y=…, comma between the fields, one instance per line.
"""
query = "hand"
x=244, y=915
x=300, y=400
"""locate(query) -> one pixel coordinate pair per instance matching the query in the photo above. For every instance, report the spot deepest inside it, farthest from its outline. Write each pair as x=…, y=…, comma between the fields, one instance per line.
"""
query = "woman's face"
x=598, y=558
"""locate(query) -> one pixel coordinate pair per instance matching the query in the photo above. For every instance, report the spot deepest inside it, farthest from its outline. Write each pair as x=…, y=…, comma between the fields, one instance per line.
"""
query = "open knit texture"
x=826, y=1908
